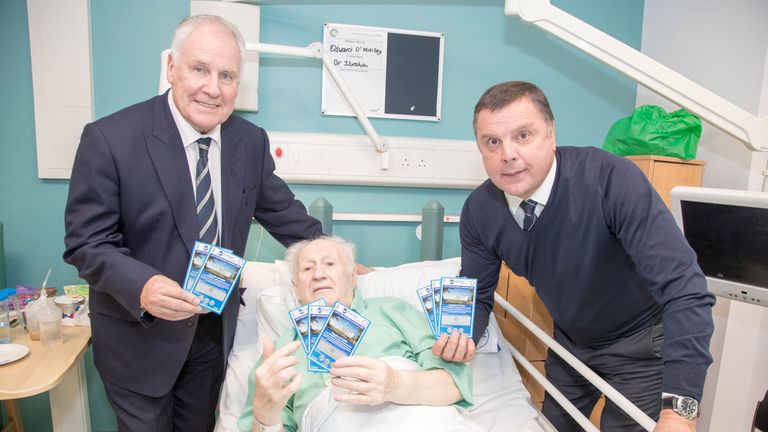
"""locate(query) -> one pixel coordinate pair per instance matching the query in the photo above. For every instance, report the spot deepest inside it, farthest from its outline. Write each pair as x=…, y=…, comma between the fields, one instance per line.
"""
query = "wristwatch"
x=687, y=407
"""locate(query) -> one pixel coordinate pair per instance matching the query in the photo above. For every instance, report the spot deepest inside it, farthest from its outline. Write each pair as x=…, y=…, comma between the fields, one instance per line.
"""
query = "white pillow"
x=403, y=281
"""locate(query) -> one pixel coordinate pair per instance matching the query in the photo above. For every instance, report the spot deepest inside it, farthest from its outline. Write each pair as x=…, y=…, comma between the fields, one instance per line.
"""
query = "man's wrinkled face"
x=205, y=77
x=322, y=273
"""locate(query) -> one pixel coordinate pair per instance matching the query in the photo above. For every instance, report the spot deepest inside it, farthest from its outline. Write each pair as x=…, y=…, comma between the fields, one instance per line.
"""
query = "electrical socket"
x=308, y=159
x=413, y=162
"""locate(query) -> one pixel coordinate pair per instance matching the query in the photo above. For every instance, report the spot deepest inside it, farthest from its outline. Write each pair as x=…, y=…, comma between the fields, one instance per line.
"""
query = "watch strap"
x=669, y=403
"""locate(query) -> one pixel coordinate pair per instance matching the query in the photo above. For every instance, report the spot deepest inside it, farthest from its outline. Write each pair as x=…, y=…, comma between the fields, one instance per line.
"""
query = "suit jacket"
x=131, y=215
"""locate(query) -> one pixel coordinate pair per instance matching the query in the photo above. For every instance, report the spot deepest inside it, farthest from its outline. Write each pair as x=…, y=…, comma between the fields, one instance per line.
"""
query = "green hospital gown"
x=397, y=329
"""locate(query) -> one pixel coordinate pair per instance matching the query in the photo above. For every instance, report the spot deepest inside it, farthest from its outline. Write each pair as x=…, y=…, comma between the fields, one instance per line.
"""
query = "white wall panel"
x=60, y=50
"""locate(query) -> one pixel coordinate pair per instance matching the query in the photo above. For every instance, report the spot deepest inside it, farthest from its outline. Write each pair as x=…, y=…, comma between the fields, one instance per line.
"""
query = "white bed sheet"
x=502, y=404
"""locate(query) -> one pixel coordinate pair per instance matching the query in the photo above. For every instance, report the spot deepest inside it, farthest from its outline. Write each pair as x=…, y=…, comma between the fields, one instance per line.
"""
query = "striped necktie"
x=206, y=208
x=529, y=209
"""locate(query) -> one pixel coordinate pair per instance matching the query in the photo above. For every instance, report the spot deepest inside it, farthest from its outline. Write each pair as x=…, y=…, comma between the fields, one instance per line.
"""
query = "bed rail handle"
x=611, y=393
x=569, y=407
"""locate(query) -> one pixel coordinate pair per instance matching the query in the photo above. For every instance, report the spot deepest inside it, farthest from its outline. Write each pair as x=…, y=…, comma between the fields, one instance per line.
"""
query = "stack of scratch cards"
x=212, y=274
x=328, y=333
x=449, y=305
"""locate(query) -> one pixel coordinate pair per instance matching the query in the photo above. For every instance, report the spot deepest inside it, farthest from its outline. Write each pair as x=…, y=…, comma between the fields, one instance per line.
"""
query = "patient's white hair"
x=346, y=253
x=191, y=23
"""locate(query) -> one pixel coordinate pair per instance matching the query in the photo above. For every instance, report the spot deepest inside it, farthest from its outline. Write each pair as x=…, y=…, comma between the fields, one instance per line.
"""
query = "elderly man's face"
x=322, y=273
x=205, y=77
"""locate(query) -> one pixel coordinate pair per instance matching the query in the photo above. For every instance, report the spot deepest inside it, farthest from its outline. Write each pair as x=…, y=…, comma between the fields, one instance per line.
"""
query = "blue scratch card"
x=427, y=300
x=340, y=336
x=457, y=305
x=199, y=254
x=217, y=278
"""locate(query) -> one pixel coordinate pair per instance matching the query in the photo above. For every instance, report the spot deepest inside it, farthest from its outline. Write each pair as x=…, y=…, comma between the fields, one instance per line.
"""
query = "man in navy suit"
x=132, y=220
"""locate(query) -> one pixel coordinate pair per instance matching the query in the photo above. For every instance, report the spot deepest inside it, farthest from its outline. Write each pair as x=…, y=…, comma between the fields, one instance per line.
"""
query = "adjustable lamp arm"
x=318, y=51
x=740, y=124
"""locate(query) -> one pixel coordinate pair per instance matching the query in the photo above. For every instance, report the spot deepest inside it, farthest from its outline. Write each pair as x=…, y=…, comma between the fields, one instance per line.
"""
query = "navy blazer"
x=131, y=215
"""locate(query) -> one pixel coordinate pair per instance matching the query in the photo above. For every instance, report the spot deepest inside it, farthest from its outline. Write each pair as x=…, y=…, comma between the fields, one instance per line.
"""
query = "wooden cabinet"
x=521, y=295
x=667, y=172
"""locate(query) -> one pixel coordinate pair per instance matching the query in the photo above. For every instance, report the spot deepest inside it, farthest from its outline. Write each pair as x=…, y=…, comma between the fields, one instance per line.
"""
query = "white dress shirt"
x=540, y=195
x=189, y=137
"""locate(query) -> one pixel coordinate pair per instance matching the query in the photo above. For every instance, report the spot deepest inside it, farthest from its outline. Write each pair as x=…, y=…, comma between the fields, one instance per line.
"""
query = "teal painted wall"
x=482, y=47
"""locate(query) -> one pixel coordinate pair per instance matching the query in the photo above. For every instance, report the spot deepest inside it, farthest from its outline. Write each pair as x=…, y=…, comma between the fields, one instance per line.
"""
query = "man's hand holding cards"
x=449, y=307
x=212, y=275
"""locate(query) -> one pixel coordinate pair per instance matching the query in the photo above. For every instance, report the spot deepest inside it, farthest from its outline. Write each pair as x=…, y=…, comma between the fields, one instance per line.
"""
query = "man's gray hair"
x=346, y=253
x=191, y=23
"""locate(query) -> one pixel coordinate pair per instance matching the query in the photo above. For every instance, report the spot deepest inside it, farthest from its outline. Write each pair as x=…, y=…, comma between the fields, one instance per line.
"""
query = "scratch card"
x=199, y=254
x=457, y=305
x=217, y=278
x=339, y=337
x=427, y=301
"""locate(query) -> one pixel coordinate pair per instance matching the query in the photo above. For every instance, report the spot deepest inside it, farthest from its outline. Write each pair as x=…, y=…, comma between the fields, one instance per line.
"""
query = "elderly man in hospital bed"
x=393, y=382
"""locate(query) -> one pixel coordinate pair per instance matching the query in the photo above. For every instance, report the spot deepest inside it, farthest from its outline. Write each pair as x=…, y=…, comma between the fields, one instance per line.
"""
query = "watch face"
x=688, y=407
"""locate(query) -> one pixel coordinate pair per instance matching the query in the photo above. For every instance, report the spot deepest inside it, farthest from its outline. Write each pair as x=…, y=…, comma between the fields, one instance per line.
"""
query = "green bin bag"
x=652, y=131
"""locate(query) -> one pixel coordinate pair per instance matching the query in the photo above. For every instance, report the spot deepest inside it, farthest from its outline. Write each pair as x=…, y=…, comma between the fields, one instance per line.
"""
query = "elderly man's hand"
x=164, y=298
x=276, y=380
x=368, y=381
x=361, y=269
x=456, y=348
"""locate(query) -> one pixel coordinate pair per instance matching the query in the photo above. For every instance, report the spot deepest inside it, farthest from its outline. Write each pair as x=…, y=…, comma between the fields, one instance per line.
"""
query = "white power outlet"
x=413, y=162
x=309, y=159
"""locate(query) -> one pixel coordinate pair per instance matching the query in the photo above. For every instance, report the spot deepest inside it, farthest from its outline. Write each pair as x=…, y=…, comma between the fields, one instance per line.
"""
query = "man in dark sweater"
x=592, y=236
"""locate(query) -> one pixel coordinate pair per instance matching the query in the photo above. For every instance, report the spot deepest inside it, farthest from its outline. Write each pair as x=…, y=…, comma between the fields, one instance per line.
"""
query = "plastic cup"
x=51, y=331
x=5, y=322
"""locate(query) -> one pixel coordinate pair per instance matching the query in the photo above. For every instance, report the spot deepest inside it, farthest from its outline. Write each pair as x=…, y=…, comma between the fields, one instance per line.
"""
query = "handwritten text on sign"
x=360, y=55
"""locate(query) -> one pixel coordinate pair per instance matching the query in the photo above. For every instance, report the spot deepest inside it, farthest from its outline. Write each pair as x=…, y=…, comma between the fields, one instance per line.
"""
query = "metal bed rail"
x=622, y=402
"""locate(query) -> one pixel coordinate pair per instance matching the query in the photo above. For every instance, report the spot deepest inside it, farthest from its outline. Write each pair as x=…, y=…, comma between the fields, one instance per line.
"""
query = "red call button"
x=278, y=152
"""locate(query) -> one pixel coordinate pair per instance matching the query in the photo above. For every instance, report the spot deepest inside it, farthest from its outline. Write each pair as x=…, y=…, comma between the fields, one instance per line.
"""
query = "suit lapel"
x=232, y=174
x=170, y=161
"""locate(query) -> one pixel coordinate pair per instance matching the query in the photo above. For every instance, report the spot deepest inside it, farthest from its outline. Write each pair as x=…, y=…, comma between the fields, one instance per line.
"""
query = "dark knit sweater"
x=606, y=258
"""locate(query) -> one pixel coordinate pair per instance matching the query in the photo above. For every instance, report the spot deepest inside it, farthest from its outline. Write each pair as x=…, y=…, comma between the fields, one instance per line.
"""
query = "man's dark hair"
x=503, y=94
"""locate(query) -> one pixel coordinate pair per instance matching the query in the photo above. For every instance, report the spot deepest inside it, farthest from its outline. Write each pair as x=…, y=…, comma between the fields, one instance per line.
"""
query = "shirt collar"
x=188, y=133
x=541, y=194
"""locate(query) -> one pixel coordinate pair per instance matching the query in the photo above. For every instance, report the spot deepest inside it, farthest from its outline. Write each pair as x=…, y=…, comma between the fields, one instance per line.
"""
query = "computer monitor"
x=728, y=230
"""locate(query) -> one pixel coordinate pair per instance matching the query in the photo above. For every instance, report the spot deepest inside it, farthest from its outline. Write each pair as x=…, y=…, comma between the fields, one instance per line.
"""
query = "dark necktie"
x=206, y=207
x=529, y=209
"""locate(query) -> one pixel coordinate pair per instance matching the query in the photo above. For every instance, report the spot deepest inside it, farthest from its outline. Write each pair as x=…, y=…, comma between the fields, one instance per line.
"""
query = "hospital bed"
x=502, y=402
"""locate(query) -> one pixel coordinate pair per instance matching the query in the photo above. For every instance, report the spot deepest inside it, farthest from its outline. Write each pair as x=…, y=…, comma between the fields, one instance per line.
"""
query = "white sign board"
x=392, y=73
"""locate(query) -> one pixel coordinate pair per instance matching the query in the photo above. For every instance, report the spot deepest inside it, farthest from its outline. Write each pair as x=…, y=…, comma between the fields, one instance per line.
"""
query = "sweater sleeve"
x=646, y=229
x=477, y=261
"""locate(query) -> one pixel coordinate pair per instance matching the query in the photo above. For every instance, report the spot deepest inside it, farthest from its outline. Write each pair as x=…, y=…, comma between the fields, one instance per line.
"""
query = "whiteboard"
x=392, y=73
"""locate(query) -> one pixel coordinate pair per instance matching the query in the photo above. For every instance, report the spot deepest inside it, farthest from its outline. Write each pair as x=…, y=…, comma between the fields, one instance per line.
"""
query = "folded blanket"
x=325, y=414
